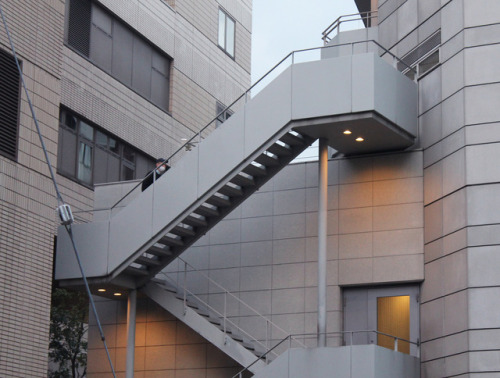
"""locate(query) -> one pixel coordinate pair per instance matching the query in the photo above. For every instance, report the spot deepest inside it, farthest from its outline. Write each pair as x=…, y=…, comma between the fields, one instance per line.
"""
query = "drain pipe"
x=131, y=314
x=322, y=238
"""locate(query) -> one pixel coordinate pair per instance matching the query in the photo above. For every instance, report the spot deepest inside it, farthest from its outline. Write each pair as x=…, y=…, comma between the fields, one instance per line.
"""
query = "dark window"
x=422, y=58
x=9, y=105
x=123, y=53
x=222, y=114
x=227, y=28
x=90, y=155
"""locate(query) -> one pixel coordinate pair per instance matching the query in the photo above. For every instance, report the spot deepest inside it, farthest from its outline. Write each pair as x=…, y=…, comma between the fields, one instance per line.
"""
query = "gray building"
x=114, y=85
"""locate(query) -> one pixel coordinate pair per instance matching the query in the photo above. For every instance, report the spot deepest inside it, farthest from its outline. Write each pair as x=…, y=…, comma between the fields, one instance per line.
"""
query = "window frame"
x=136, y=35
x=15, y=129
x=95, y=146
x=224, y=48
x=222, y=113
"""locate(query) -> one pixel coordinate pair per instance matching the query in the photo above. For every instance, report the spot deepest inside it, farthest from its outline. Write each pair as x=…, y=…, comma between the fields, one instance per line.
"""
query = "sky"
x=281, y=26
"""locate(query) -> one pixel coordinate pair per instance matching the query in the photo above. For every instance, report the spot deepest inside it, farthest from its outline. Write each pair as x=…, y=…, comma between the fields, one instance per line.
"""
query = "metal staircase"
x=216, y=206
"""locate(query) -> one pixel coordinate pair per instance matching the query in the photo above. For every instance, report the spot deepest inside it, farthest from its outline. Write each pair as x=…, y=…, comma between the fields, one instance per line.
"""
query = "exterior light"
x=117, y=294
x=359, y=139
x=101, y=290
x=347, y=132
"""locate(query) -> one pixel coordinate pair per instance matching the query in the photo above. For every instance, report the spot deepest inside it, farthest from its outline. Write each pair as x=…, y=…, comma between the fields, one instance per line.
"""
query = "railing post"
x=225, y=311
x=184, y=287
x=351, y=333
x=396, y=344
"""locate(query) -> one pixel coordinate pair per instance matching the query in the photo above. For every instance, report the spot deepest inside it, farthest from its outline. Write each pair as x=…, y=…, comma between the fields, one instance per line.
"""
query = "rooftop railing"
x=359, y=20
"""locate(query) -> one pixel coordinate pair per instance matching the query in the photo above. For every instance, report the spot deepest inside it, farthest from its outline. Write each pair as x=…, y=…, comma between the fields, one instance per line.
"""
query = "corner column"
x=322, y=238
x=131, y=315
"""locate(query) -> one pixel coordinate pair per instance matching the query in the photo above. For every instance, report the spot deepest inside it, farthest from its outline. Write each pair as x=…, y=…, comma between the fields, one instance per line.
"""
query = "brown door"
x=393, y=318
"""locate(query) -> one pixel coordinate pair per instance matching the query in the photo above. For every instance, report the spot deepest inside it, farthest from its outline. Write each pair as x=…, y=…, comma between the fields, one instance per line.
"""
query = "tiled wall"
x=266, y=250
x=27, y=200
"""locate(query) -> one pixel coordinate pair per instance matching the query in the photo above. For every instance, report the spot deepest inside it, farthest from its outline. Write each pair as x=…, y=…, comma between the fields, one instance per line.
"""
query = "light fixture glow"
x=117, y=294
x=101, y=290
x=347, y=132
x=359, y=139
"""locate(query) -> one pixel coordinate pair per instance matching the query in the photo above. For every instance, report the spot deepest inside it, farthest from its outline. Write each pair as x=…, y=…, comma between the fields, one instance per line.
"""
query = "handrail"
x=315, y=335
x=335, y=25
x=192, y=141
x=268, y=322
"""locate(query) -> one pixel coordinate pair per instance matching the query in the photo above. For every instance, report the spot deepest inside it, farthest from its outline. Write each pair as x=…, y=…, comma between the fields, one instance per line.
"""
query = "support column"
x=322, y=238
x=131, y=312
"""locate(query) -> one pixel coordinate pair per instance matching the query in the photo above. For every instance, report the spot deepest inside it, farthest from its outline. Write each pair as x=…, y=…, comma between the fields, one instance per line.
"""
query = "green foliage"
x=68, y=334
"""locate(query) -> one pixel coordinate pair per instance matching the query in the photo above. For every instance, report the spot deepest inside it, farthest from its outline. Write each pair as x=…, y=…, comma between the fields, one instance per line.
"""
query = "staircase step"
x=292, y=140
x=268, y=161
x=280, y=150
x=230, y=191
x=159, y=251
x=174, y=242
x=254, y=170
x=214, y=321
x=148, y=261
x=136, y=271
x=183, y=231
x=207, y=211
x=248, y=345
x=195, y=221
x=219, y=201
x=242, y=180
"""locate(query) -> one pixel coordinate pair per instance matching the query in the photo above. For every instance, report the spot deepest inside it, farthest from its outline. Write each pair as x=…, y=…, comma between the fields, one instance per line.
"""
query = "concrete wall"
x=458, y=119
x=266, y=250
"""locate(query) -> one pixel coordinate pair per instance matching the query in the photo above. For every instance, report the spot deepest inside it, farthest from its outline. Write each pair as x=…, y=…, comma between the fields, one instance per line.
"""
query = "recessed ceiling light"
x=117, y=294
x=101, y=290
x=347, y=132
x=359, y=139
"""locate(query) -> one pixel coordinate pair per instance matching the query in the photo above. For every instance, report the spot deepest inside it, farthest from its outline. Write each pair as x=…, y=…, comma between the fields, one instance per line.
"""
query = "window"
x=422, y=58
x=222, y=114
x=226, y=33
x=9, y=105
x=90, y=155
x=114, y=47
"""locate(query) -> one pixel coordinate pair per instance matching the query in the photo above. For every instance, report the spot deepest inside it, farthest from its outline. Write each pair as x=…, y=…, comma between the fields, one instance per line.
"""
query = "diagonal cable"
x=58, y=193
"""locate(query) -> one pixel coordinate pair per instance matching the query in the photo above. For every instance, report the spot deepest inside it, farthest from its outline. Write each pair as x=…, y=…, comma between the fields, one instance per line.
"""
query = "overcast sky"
x=281, y=26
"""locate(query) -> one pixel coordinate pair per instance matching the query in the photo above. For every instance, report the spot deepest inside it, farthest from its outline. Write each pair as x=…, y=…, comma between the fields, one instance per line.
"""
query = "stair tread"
x=207, y=211
x=183, y=231
x=267, y=160
x=242, y=180
x=159, y=251
x=292, y=140
x=195, y=221
x=136, y=271
x=279, y=150
x=219, y=201
x=144, y=260
x=168, y=240
x=230, y=191
x=254, y=170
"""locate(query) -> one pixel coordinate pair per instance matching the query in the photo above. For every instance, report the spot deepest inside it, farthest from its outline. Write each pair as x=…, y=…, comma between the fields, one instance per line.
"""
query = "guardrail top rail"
x=369, y=18
x=187, y=146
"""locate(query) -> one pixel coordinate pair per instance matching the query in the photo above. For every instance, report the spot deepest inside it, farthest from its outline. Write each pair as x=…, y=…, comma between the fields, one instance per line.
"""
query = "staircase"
x=318, y=99
x=214, y=327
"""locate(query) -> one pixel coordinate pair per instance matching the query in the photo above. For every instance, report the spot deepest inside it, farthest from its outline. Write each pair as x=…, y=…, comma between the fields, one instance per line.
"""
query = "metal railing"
x=297, y=56
x=368, y=19
x=288, y=341
x=268, y=329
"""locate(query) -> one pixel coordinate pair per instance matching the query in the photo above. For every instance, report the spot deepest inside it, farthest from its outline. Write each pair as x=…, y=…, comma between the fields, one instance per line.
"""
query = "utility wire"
x=58, y=193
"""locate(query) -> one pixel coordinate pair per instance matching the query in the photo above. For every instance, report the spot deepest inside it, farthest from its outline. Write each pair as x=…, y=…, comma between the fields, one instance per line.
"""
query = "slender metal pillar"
x=322, y=238
x=131, y=312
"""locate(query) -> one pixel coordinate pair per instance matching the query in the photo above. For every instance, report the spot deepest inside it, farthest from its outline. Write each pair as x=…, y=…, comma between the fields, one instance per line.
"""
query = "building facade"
x=113, y=86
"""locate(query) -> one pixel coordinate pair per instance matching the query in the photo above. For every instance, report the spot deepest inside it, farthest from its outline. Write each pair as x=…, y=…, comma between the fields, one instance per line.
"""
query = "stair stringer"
x=202, y=326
